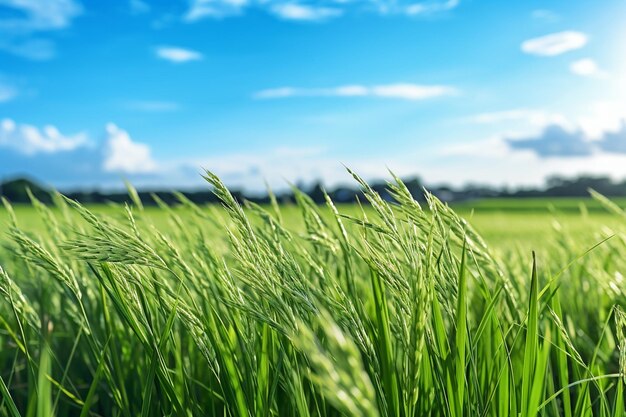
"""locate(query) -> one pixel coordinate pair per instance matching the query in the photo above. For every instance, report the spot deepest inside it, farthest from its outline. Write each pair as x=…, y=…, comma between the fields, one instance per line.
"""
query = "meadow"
x=486, y=308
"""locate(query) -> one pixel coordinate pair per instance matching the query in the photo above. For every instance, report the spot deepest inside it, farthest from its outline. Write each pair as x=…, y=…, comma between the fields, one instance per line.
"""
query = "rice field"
x=391, y=309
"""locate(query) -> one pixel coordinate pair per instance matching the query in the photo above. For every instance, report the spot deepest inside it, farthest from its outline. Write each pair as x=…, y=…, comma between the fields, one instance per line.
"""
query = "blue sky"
x=289, y=90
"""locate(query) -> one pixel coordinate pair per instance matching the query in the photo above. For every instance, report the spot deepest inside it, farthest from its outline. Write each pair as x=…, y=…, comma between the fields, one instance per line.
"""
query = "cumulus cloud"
x=397, y=91
x=124, y=155
x=555, y=43
x=615, y=141
x=602, y=117
x=554, y=141
x=593, y=144
x=314, y=10
x=177, y=55
x=586, y=67
x=102, y=164
x=52, y=156
x=30, y=140
x=558, y=141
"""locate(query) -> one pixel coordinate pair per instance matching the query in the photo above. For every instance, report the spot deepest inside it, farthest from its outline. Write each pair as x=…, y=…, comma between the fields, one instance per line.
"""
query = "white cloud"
x=555, y=43
x=152, y=106
x=493, y=161
x=7, y=93
x=124, y=155
x=586, y=67
x=39, y=15
x=602, y=129
x=201, y=9
x=517, y=167
x=295, y=11
x=431, y=7
x=177, y=55
x=281, y=92
x=493, y=147
x=592, y=143
x=598, y=118
x=411, y=91
x=314, y=11
x=280, y=166
x=30, y=140
x=76, y=160
x=398, y=91
x=601, y=117
x=544, y=14
x=25, y=18
x=533, y=117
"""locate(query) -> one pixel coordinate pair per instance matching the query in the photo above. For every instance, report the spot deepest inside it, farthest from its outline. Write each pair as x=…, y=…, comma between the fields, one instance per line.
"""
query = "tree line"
x=556, y=186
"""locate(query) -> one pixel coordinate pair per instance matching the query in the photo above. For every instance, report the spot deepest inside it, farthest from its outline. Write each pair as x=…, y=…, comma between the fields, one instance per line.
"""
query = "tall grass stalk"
x=243, y=311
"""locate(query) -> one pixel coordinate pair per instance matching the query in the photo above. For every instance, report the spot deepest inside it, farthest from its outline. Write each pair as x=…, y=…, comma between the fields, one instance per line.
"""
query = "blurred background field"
x=506, y=224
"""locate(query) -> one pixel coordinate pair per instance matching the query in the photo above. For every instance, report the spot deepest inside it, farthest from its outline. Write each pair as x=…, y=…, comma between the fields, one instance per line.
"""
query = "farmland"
x=506, y=224
x=400, y=309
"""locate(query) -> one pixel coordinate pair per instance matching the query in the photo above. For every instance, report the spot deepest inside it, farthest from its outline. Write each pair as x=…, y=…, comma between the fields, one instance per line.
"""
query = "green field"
x=574, y=205
x=506, y=224
x=391, y=310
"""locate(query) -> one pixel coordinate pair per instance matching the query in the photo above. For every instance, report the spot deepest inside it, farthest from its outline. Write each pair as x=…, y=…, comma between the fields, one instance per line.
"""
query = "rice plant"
x=400, y=311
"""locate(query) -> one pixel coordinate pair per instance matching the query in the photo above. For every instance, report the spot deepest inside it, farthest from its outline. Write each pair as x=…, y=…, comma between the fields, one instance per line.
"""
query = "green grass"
x=538, y=204
x=388, y=310
x=519, y=224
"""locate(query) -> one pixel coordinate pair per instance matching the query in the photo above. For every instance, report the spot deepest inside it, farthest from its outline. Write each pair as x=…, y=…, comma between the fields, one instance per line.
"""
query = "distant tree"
x=15, y=191
x=555, y=186
x=316, y=192
x=415, y=187
x=578, y=187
